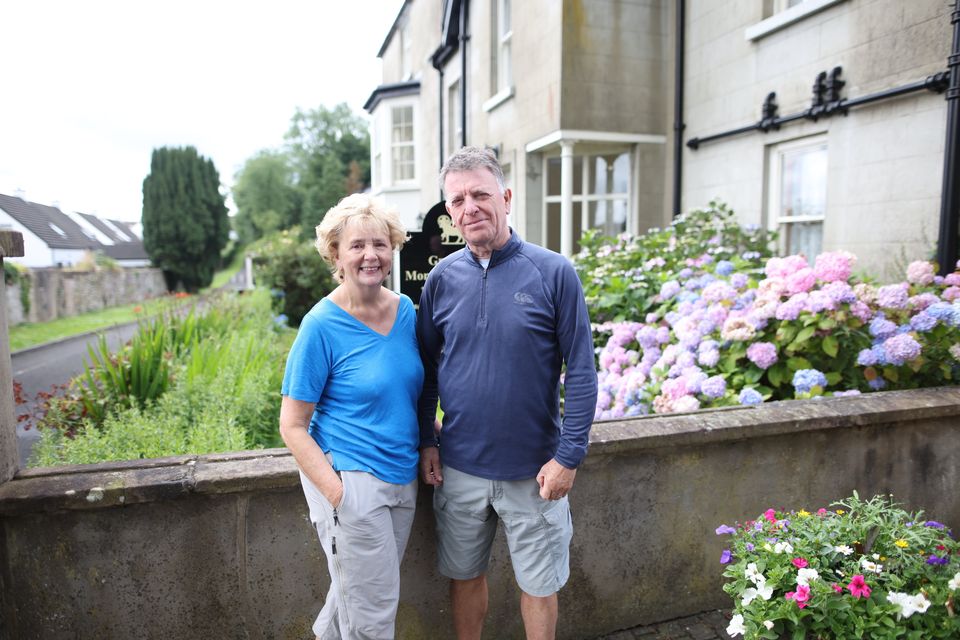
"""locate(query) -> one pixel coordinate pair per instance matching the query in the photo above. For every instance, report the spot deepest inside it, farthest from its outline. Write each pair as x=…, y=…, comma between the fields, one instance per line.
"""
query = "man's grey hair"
x=470, y=158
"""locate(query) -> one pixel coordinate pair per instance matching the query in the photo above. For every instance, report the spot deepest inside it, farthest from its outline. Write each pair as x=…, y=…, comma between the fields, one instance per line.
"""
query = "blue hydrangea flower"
x=725, y=267
x=923, y=322
x=750, y=397
x=713, y=387
x=804, y=380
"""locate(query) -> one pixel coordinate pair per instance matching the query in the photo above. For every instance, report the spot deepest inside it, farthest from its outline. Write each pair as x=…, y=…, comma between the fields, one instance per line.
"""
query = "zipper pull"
x=336, y=520
x=333, y=545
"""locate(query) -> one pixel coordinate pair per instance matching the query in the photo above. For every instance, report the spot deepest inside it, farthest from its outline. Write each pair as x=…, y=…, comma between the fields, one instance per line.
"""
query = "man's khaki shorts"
x=538, y=531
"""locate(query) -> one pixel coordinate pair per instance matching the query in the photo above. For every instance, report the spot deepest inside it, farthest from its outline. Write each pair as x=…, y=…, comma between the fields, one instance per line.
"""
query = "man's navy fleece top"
x=495, y=339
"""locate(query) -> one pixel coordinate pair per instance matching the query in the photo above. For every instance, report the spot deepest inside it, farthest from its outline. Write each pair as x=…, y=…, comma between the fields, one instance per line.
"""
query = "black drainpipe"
x=464, y=8
x=678, y=125
x=950, y=195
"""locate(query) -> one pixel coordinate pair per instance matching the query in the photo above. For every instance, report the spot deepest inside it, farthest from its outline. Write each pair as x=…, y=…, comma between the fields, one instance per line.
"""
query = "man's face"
x=478, y=209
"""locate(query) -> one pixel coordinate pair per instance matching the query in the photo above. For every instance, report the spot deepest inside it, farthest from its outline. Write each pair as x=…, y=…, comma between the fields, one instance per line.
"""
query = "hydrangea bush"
x=864, y=569
x=714, y=327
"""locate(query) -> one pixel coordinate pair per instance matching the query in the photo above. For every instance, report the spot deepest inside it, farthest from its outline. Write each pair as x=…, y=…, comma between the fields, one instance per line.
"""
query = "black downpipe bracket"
x=678, y=125
x=950, y=195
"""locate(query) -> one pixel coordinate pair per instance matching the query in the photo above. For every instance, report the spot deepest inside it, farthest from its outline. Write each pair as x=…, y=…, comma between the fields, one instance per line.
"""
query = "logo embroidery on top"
x=522, y=298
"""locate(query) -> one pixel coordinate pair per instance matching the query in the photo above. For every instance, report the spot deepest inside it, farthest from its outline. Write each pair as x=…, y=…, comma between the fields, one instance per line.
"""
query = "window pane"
x=609, y=216
x=609, y=174
x=804, y=182
x=803, y=237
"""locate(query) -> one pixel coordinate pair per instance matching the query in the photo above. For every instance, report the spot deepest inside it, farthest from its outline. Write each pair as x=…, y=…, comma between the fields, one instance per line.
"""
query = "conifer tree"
x=185, y=223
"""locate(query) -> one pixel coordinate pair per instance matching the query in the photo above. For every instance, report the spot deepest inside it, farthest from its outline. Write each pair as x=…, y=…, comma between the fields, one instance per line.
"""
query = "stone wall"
x=220, y=546
x=60, y=293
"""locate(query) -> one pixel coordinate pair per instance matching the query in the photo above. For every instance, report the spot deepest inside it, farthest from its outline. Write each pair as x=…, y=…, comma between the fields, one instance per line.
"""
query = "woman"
x=348, y=415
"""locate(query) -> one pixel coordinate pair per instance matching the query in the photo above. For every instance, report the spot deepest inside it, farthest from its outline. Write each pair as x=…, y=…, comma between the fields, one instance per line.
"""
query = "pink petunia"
x=770, y=515
x=858, y=587
x=801, y=596
x=799, y=563
x=837, y=587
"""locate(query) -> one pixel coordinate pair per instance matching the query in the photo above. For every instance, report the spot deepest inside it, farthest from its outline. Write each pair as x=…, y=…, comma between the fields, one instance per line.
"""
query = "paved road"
x=39, y=368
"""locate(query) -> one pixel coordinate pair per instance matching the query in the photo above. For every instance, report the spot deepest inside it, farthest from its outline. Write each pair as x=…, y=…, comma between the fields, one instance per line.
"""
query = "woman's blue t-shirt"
x=365, y=386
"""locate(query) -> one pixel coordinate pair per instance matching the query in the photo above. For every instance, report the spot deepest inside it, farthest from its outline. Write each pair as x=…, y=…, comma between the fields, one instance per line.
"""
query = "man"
x=497, y=321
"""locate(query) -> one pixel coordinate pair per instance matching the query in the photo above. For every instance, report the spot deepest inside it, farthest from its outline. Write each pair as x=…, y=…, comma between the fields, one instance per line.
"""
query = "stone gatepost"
x=11, y=246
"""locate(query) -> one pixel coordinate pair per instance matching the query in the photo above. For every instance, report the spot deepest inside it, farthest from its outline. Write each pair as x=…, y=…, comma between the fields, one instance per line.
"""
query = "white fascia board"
x=576, y=135
x=787, y=17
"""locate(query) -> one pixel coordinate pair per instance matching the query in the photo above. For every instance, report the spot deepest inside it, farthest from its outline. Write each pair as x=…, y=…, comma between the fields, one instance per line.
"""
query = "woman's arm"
x=294, y=425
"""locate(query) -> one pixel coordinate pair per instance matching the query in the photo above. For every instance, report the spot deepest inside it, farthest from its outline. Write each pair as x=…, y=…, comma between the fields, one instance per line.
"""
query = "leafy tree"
x=266, y=197
x=330, y=154
x=185, y=221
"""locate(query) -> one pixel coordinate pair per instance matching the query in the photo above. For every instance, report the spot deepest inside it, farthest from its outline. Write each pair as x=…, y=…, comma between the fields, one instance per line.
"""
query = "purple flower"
x=932, y=559
x=893, y=296
x=789, y=310
x=840, y=292
x=722, y=529
x=739, y=280
x=804, y=380
x=725, y=556
x=750, y=397
x=714, y=387
x=882, y=328
x=877, y=384
x=934, y=524
x=901, y=348
x=762, y=354
x=669, y=289
x=708, y=357
x=750, y=546
x=866, y=358
x=923, y=322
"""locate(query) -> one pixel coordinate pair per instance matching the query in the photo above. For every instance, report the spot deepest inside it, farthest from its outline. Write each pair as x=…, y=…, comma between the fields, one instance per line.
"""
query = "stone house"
x=824, y=120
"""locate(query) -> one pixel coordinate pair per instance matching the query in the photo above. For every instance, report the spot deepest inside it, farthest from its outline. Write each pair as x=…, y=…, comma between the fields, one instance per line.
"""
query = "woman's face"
x=364, y=254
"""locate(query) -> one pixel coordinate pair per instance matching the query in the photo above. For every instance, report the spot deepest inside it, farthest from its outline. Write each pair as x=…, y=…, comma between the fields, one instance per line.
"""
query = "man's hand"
x=430, y=469
x=555, y=480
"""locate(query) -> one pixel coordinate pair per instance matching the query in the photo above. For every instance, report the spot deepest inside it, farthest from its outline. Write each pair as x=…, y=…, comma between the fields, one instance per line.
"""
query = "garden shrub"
x=292, y=269
x=224, y=365
x=725, y=329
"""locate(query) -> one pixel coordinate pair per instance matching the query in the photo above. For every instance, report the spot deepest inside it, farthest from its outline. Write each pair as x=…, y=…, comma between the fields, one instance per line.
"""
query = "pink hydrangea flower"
x=920, y=272
x=737, y=328
x=951, y=293
x=834, y=266
x=783, y=267
x=762, y=354
x=893, y=296
x=801, y=280
x=952, y=279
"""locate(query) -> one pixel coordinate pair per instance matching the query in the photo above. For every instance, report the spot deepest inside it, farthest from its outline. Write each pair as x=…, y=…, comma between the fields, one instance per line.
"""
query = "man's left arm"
x=575, y=340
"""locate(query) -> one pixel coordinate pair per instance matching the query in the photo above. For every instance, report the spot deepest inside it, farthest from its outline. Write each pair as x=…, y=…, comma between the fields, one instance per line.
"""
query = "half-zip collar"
x=503, y=253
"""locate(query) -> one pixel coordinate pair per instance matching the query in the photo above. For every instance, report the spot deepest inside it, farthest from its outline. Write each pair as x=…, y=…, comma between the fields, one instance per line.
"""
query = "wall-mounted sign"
x=437, y=238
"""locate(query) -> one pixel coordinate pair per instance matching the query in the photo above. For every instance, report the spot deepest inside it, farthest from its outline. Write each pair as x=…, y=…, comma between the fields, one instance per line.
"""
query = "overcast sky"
x=90, y=88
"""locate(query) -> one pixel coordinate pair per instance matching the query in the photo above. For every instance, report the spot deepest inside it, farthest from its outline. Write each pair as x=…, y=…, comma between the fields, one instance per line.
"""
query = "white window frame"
x=376, y=166
x=454, y=120
x=783, y=16
x=501, y=56
x=582, y=198
x=395, y=145
x=775, y=220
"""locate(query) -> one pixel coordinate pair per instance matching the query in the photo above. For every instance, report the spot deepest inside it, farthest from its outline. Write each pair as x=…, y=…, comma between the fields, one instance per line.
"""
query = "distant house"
x=53, y=238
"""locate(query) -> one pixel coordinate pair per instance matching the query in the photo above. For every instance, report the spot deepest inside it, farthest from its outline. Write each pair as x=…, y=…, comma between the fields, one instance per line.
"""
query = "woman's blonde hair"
x=362, y=208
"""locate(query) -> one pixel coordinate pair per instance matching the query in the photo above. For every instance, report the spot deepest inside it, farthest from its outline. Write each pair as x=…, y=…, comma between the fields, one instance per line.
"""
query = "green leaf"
x=830, y=346
x=797, y=362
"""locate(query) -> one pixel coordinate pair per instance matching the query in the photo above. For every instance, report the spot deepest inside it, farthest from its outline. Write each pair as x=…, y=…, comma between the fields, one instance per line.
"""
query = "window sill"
x=498, y=99
x=786, y=18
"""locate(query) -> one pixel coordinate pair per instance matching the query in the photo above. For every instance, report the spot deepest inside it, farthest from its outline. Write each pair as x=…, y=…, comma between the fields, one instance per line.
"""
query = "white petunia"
x=908, y=604
x=783, y=547
x=751, y=572
x=806, y=576
x=736, y=628
x=954, y=583
x=768, y=624
x=844, y=549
